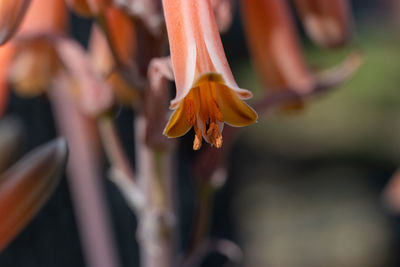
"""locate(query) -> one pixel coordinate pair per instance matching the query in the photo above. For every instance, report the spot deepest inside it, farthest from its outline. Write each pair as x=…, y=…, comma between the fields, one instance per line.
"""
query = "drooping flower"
x=35, y=60
x=121, y=34
x=55, y=20
x=11, y=15
x=206, y=92
x=274, y=45
x=326, y=22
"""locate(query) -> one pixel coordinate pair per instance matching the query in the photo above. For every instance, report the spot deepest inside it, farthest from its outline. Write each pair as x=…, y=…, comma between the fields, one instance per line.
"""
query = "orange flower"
x=206, y=92
x=326, y=22
x=35, y=62
x=274, y=45
x=55, y=20
x=12, y=12
x=122, y=37
x=88, y=8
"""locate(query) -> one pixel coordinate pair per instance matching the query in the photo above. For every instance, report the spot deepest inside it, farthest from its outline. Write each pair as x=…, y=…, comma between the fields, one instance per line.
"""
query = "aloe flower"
x=121, y=32
x=11, y=14
x=35, y=61
x=274, y=45
x=54, y=22
x=206, y=92
x=326, y=22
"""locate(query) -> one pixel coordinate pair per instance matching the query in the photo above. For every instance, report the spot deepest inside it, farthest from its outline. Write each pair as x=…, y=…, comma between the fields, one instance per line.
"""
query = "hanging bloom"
x=274, y=45
x=54, y=22
x=35, y=60
x=326, y=22
x=122, y=37
x=206, y=92
x=12, y=12
x=88, y=8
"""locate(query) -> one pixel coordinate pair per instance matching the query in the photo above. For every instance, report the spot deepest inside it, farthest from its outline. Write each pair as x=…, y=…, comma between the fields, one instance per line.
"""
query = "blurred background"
x=304, y=189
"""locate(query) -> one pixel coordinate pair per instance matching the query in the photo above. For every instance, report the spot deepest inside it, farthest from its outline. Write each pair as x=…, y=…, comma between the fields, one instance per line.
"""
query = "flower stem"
x=157, y=233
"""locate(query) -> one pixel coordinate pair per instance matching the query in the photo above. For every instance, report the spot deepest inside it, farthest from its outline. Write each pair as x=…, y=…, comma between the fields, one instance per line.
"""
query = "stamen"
x=190, y=112
x=197, y=138
x=214, y=135
x=215, y=110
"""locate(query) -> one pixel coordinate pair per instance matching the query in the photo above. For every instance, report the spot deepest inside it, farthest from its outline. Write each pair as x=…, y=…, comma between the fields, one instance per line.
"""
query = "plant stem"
x=157, y=229
x=113, y=147
x=203, y=215
x=85, y=181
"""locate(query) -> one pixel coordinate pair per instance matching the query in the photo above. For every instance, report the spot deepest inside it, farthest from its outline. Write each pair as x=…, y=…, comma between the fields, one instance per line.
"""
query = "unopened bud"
x=326, y=22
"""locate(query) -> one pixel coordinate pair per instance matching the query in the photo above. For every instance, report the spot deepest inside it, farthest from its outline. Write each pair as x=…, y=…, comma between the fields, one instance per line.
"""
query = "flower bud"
x=34, y=65
x=26, y=186
x=104, y=62
x=274, y=45
x=326, y=22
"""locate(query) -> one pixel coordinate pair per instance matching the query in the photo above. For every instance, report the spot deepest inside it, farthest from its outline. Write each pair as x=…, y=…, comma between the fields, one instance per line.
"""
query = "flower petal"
x=177, y=124
x=182, y=45
x=234, y=110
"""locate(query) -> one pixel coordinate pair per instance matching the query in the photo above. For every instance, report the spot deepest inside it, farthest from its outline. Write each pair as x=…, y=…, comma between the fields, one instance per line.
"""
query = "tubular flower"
x=326, y=22
x=11, y=14
x=88, y=8
x=274, y=46
x=124, y=45
x=55, y=20
x=121, y=30
x=35, y=61
x=206, y=92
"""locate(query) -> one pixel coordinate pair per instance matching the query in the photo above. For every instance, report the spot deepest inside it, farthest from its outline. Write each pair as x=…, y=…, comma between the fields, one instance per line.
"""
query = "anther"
x=215, y=110
x=214, y=135
x=197, y=139
x=190, y=113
